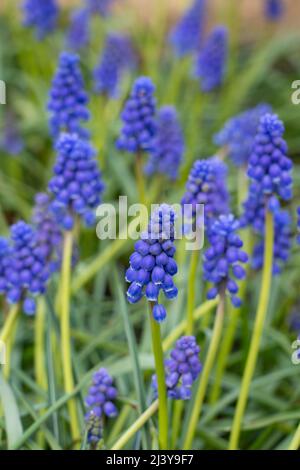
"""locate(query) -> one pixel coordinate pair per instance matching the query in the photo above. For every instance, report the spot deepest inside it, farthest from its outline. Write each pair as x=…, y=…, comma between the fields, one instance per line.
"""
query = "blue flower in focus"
x=211, y=62
x=186, y=35
x=269, y=167
x=222, y=260
x=282, y=243
x=117, y=56
x=68, y=99
x=100, y=7
x=152, y=265
x=168, y=145
x=78, y=35
x=239, y=133
x=41, y=15
x=27, y=273
x=207, y=185
x=182, y=369
x=101, y=404
x=138, y=118
x=77, y=182
x=274, y=9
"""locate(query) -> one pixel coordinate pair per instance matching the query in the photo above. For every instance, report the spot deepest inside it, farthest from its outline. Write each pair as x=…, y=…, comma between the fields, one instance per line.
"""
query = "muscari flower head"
x=239, y=133
x=100, y=402
x=186, y=35
x=182, y=369
x=41, y=15
x=138, y=118
x=152, y=264
x=207, y=185
x=77, y=182
x=117, y=56
x=5, y=254
x=222, y=260
x=100, y=7
x=27, y=272
x=274, y=9
x=48, y=232
x=168, y=145
x=68, y=99
x=282, y=243
x=210, y=65
x=78, y=35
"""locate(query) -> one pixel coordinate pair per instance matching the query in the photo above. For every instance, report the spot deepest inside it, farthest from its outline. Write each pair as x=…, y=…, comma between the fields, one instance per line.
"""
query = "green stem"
x=257, y=332
x=177, y=421
x=9, y=323
x=39, y=353
x=209, y=362
x=140, y=178
x=161, y=382
x=192, y=292
x=295, y=444
x=66, y=333
x=135, y=427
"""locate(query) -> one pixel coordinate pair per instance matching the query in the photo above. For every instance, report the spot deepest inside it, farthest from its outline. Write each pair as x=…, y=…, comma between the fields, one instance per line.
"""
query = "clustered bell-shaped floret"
x=282, y=243
x=138, y=118
x=27, y=272
x=41, y=15
x=239, y=133
x=152, y=265
x=182, y=369
x=117, y=56
x=78, y=34
x=68, y=99
x=222, y=260
x=186, y=35
x=101, y=403
x=168, y=145
x=77, y=183
x=211, y=62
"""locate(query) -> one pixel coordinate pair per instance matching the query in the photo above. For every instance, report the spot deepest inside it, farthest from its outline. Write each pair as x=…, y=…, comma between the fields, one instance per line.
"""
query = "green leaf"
x=13, y=423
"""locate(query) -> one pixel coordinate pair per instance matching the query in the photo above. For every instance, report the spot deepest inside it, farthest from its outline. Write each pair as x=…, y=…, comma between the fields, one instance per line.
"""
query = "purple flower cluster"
x=211, y=62
x=239, y=133
x=298, y=213
x=282, y=243
x=100, y=7
x=100, y=402
x=78, y=35
x=41, y=15
x=274, y=9
x=152, y=264
x=186, y=35
x=27, y=272
x=77, y=183
x=222, y=260
x=11, y=141
x=138, y=118
x=182, y=369
x=118, y=55
x=168, y=145
x=68, y=99
x=5, y=252
x=207, y=185
x=269, y=167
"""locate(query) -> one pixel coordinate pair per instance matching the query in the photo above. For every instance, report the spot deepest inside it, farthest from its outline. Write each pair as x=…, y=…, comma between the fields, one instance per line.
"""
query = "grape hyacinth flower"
x=222, y=260
x=186, y=35
x=210, y=66
x=282, y=243
x=182, y=369
x=152, y=264
x=99, y=7
x=77, y=182
x=27, y=272
x=239, y=132
x=11, y=141
x=274, y=9
x=101, y=404
x=138, y=118
x=207, y=185
x=41, y=15
x=78, y=35
x=68, y=99
x=5, y=254
x=117, y=56
x=168, y=145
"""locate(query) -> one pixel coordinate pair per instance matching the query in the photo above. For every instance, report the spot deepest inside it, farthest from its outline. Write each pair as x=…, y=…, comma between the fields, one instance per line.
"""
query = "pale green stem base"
x=295, y=444
x=257, y=332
